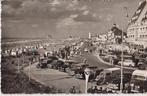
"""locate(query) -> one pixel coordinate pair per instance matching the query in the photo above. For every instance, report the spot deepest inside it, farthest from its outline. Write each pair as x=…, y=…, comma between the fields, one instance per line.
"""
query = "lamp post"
x=29, y=71
x=18, y=66
x=122, y=58
x=87, y=72
x=122, y=55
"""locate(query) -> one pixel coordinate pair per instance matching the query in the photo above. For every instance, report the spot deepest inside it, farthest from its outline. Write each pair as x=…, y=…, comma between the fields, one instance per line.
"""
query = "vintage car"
x=67, y=65
x=47, y=62
x=127, y=62
x=76, y=68
x=114, y=84
x=42, y=63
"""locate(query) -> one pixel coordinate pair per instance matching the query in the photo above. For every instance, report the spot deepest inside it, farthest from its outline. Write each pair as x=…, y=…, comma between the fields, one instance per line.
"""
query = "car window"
x=107, y=74
x=128, y=61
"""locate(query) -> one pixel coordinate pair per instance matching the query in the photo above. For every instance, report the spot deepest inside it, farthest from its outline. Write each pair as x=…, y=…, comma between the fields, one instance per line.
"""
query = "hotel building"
x=137, y=28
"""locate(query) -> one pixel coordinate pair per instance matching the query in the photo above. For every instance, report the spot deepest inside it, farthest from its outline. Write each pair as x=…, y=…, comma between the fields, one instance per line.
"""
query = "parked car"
x=77, y=69
x=138, y=81
x=115, y=82
x=127, y=62
x=51, y=58
x=42, y=63
x=46, y=62
x=79, y=73
x=106, y=75
x=141, y=64
x=68, y=64
x=86, y=50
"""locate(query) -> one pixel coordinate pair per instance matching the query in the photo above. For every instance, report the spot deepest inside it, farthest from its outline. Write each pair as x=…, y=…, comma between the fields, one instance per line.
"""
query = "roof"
x=140, y=73
x=145, y=16
x=138, y=12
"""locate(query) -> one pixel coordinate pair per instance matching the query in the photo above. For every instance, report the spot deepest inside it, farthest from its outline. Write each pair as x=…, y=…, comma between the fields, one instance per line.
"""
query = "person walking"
x=72, y=90
x=100, y=90
x=90, y=90
x=95, y=90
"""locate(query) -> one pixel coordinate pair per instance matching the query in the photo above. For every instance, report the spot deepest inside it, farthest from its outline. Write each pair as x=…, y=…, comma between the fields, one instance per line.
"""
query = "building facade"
x=137, y=28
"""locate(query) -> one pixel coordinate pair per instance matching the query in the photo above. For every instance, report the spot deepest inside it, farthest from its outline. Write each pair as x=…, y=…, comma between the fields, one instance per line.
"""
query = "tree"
x=145, y=49
x=118, y=34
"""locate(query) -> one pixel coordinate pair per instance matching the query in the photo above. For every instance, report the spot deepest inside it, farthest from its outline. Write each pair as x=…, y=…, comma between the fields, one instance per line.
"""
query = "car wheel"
x=49, y=65
x=71, y=73
x=37, y=66
x=78, y=76
x=140, y=66
x=67, y=70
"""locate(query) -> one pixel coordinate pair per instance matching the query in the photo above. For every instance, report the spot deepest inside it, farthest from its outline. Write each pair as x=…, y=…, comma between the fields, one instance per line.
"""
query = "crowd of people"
x=36, y=51
x=95, y=89
x=91, y=90
x=62, y=52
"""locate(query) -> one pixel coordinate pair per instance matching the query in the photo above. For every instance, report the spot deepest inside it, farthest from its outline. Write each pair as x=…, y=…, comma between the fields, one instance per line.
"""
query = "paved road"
x=51, y=77
x=60, y=79
x=91, y=60
x=94, y=61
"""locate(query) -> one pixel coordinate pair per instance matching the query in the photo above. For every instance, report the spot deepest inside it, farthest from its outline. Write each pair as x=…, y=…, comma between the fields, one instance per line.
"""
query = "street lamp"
x=18, y=66
x=122, y=55
x=122, y=58
x=29, y=71
x=87, y=72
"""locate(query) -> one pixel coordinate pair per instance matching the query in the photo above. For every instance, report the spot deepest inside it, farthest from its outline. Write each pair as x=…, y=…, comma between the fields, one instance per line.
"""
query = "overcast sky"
x=61, y=18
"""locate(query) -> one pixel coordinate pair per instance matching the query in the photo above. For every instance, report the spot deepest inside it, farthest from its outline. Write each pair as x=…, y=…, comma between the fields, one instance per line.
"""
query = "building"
x=115, y=35
x=89, y=35
x=137, y=28
x=102, y=38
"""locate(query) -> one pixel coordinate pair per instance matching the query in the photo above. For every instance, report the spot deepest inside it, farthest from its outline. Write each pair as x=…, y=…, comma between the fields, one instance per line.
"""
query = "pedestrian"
x=72, y=90
x=100, y=90
x=109, y=91
x=129, y=89
x=95, y=90
x=104, y=90
x=90, y=90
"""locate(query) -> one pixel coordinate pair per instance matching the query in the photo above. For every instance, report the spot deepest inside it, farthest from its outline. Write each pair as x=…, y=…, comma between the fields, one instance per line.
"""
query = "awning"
x=143, y=43
x=118, y=47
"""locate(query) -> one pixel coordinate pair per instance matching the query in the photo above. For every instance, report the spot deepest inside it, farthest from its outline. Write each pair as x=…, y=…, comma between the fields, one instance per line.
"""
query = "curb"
x=32, y=77
x=98, y=57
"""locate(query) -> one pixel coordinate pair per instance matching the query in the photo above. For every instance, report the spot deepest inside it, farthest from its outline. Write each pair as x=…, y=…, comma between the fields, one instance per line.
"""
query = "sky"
x=63, y=18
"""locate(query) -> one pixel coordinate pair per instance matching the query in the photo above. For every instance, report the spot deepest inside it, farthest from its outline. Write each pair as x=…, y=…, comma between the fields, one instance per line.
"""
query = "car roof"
x=127, y=60
x=70, y=61
x=92, y=67
x=140, y=73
